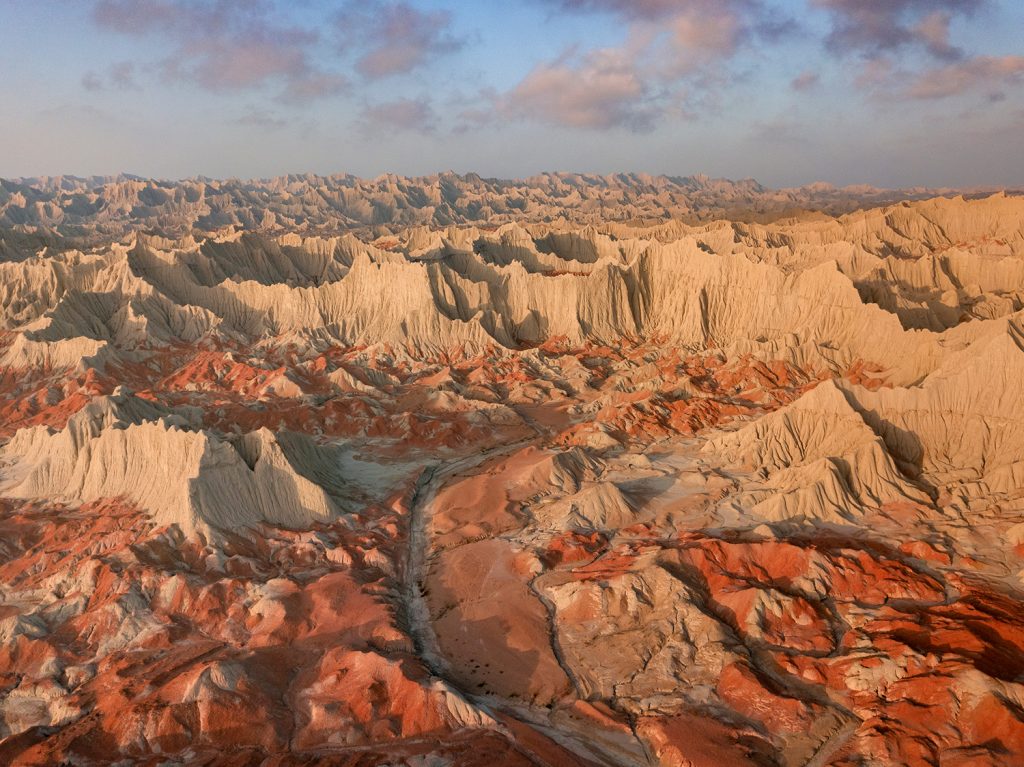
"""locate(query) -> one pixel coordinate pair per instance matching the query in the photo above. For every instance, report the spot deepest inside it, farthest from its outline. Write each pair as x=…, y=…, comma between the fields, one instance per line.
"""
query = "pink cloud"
x=883, y=30
x=805, y=81
x=658, y=9
x=601, y=90
x=877, y=26
x=973, y=74
x=415, y=115
x=119, y=76
x=933, y=32
x=224, y=44
x=394, y=37
x=673, y=49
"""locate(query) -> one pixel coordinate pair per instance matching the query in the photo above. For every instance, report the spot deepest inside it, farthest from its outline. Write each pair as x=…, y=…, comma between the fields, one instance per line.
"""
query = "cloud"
x=711, y=24
x=654, y=10
x=79, y=112
x=119, y=76
x=415, y=115
x=978, y=73
x=673, y=52
x=92, y=81
x=882, y=31
x=805, y=81
x=984, y=75
x=142, y=17
x=933, y=32
x=256, y=117
x=878, y=74
x=698, y=35
x=781, y=131
x=884, y=26
x=224, y=44
x=313, y=86
x=601, y=89
x=394, y=37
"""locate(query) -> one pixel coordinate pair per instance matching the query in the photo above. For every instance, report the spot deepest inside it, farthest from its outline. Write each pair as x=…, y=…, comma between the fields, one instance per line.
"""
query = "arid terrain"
x=97, y=209
x=457, y=473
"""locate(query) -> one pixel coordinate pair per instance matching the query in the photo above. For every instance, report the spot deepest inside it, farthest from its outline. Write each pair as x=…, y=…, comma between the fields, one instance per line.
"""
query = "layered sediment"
x=476, y=487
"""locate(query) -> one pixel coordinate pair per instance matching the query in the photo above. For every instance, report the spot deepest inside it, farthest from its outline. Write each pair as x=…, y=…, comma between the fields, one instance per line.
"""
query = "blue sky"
x=885, y=92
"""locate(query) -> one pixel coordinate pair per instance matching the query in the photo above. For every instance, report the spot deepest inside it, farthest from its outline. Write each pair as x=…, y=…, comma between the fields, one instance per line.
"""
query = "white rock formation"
x=122, y=446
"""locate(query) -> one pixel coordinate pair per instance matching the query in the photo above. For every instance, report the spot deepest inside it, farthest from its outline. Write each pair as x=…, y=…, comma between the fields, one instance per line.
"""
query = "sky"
x=895, y=93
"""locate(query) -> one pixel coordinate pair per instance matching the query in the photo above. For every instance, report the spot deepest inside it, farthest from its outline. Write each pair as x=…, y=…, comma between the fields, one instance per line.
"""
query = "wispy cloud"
x=394, y=38
x=933, y=33
x=884, y=31
x=675, y=59
x=224, y=44
x=256, y=117
x=119, y=76
x=980, y=73
x=885, y=26
x=780, y=131
x=413, y=115
x=312, y=86
x=805, y=81
x=672, y=52
x=600, y=89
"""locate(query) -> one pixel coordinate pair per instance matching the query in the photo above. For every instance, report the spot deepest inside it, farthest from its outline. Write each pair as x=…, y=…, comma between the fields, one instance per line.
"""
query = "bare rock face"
x=453, y=471
x=91, y=208
x=124, y=447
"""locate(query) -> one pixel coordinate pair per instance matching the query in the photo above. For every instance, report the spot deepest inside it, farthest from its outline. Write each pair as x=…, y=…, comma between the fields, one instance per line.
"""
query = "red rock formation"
x=709, y=495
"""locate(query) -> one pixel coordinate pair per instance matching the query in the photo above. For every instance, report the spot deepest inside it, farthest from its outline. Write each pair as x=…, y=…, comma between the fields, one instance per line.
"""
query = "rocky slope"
x=670, y=491
x=91, y=209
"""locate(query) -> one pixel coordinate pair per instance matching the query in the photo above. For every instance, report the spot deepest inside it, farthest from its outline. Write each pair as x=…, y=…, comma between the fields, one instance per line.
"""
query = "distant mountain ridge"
x=104, y=207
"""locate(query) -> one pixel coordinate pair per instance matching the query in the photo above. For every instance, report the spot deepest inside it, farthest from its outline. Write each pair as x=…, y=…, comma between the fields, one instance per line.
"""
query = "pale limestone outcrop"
x=819, y=458
x=122, y=446
x=890, y=287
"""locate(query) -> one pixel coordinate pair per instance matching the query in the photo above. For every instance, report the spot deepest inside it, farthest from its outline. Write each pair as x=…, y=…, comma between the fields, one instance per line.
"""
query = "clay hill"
x=96, y=209
x=568, y=471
